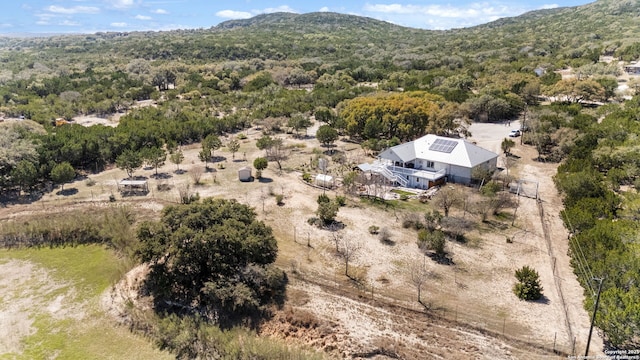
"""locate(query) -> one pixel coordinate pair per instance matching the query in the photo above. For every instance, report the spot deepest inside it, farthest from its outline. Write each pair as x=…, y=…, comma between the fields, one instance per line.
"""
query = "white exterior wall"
x=459, y=174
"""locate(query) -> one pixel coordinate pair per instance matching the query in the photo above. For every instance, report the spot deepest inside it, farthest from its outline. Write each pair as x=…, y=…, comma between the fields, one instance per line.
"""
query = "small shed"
x=132, y=187
x=244, y=174
x=324, y=180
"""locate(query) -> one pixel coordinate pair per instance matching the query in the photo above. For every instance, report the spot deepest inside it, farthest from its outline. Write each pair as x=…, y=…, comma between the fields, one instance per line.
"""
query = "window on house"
x=430, y=164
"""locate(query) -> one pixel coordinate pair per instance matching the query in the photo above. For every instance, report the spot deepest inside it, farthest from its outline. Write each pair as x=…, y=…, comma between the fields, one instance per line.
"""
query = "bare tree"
x=349, y=251
x=336, y=235
x=418, y=275
x=196, y=174
x=446, y=198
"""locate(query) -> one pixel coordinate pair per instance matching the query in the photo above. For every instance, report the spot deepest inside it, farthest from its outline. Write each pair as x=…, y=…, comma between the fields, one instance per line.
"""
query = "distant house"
x=431, y=160
x=632, y=69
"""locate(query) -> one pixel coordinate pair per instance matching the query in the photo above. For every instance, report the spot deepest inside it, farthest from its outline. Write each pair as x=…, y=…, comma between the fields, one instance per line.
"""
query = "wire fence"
x=463, y=316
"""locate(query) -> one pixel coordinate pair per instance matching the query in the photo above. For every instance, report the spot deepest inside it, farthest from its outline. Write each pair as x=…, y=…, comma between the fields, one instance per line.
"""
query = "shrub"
x=528, y=286
x=373, y=230
x=412, y=220
x=90, y=182
x=279, y=199
x=242, y=136
x=306, y=177
x=432, y=240
x=112, y=198
x=341, y=200
x=385, y=236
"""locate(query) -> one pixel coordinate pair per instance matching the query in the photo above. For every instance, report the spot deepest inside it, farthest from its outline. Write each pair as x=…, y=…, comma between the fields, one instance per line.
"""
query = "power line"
x=580, y=257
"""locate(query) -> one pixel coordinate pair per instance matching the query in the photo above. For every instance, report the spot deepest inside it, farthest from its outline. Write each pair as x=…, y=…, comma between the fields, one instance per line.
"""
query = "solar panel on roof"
x=443, y=145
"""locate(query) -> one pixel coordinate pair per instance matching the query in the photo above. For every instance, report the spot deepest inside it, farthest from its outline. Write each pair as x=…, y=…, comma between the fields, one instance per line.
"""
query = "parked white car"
x=514, y=133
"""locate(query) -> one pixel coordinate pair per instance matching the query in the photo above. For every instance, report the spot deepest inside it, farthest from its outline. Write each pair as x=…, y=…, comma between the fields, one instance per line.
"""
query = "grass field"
x=57, y=294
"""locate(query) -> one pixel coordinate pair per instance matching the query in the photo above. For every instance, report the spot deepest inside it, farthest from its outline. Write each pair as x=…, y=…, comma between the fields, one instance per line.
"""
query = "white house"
x=431, y=160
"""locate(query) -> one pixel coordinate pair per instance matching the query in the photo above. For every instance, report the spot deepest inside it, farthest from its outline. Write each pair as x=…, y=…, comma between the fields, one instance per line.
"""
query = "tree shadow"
x=441, y=259
x=162, y=175
x=543, y=300
x=179, y=171
x=15, y=198
x=218, y=158
x=265, y=180
x=388, y=242
x=67, y=192
x=334, y=226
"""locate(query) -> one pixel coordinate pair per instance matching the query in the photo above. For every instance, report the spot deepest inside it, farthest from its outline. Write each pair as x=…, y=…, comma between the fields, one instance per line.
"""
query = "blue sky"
x=90, y=16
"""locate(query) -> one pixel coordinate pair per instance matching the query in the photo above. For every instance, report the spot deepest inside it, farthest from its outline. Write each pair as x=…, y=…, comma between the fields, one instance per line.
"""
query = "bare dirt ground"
x=473, y=312
x=26, y=291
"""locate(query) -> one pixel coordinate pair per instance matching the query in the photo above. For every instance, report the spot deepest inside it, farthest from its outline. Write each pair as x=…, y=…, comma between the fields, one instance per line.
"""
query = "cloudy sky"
x=89, y=16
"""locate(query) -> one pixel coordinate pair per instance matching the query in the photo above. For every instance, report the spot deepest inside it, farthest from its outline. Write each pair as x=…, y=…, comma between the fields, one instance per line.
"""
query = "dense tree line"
x=602, y=217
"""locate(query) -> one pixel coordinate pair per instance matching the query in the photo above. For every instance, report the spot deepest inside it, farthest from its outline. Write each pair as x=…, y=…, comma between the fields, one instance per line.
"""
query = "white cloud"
x=549, y=6
x=324, y=9
x=119, y=24
x=160, y=11
x=121, y=4
x=142, y=17
x=73, y=10
x=69, y=23
x=470, y=11
x=281, y=8
x=443, y=16
x=5, y=25
x=231, y=14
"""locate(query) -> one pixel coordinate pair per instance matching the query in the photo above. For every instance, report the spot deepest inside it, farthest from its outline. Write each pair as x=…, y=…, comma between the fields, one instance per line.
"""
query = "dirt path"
x=570, y=293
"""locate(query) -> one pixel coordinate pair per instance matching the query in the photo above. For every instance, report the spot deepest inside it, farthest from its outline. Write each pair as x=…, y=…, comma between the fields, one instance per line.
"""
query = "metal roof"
x=133, y=182
x=463, y=153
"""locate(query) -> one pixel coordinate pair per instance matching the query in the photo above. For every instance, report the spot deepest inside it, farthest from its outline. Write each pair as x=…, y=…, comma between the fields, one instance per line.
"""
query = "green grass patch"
x=68, y=319
x=90, y=268
x=402, y=192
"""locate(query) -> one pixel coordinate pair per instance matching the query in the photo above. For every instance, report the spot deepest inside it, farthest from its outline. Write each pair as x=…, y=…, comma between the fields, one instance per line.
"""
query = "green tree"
x=260, y=164
x=327, y=211
x=298, y=122
x=433, y=240
x=154, y=156
x=233, y=145
x=324, y=114
x=129, y=161
x=265, y=143
x=24, y=175
x=326, y=135
x=212, y=254
x=507, y=145
x=528, y=286
x=177, y=158
x=63, y=173
x=212, y=142
x=204, y=155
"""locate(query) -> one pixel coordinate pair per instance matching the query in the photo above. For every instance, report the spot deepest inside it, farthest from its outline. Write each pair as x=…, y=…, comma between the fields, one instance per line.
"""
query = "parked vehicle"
x=514, y=133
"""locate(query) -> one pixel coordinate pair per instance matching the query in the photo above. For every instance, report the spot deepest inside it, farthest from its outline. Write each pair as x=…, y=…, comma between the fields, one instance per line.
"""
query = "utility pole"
x=593, y=318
